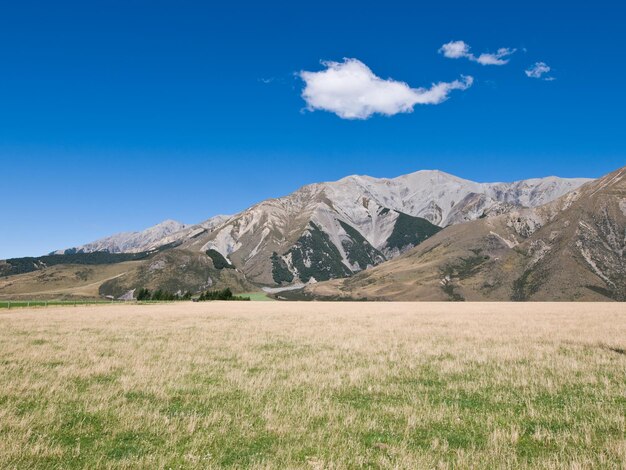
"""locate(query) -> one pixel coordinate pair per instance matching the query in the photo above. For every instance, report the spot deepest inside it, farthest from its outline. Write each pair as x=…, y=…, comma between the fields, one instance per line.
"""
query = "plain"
x=314, y=385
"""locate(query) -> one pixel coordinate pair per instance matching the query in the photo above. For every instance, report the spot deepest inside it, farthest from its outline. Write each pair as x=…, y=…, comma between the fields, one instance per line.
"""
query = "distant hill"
x=166, y=232
x=15, y=266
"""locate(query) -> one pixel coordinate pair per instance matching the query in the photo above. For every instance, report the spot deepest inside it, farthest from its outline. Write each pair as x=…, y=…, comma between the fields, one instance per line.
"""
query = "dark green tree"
x=143, y=294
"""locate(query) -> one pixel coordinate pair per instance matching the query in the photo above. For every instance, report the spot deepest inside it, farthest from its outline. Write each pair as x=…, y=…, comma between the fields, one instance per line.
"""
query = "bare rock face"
x=359, y=221
x=572, y=248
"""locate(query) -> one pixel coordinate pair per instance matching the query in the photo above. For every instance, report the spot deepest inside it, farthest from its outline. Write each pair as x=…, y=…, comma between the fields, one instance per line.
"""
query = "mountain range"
x=166, y=232
x=360, y=233
x=328, y=230
x=573, y=248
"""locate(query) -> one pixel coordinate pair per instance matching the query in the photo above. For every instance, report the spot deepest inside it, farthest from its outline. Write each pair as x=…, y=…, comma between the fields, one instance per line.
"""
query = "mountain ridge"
x=571, y=248
x=320, y=232
x=371, y=206
x=335, y=229
x=165, y=232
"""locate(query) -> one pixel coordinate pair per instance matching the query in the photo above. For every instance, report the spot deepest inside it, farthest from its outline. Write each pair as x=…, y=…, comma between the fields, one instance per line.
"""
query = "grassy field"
x=314, y=385
x=9, y=304
x=257, y=296
x=254, y=296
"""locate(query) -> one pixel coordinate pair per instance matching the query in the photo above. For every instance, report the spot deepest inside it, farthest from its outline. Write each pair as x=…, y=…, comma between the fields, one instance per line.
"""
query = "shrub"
x=219, y=262
x=143, y=294
x=223, y=294
x=164, y=295
x=280, y=271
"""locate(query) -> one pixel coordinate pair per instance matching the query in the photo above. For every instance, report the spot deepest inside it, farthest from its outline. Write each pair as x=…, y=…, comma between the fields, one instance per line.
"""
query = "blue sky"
x=117, y=115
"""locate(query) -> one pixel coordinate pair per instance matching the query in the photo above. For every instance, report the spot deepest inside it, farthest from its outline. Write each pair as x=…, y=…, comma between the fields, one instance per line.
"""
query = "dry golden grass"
x=71, y=281
x=314, y=385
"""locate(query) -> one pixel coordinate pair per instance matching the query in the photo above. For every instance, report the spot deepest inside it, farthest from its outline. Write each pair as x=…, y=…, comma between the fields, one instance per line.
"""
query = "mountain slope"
x=570, y=249
x=332, y=230
x=329, y=230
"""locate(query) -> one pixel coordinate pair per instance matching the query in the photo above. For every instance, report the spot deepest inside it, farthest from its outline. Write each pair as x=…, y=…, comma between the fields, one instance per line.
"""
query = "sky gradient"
x=117, y=115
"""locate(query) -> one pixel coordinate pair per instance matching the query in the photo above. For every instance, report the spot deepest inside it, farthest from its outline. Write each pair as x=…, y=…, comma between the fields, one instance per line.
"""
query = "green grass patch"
x=8, y=304
x=259, y=296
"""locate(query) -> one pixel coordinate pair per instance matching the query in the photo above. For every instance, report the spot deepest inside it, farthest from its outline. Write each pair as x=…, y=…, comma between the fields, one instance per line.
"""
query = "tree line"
x=160, y=294
x=144, y=294
x=223, y=294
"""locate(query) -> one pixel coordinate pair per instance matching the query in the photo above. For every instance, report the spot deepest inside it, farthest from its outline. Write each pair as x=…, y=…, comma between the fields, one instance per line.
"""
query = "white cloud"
x=455, y=50
x=499, y=58
x=460, y=49
x=538, y=70
x=352, y=91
